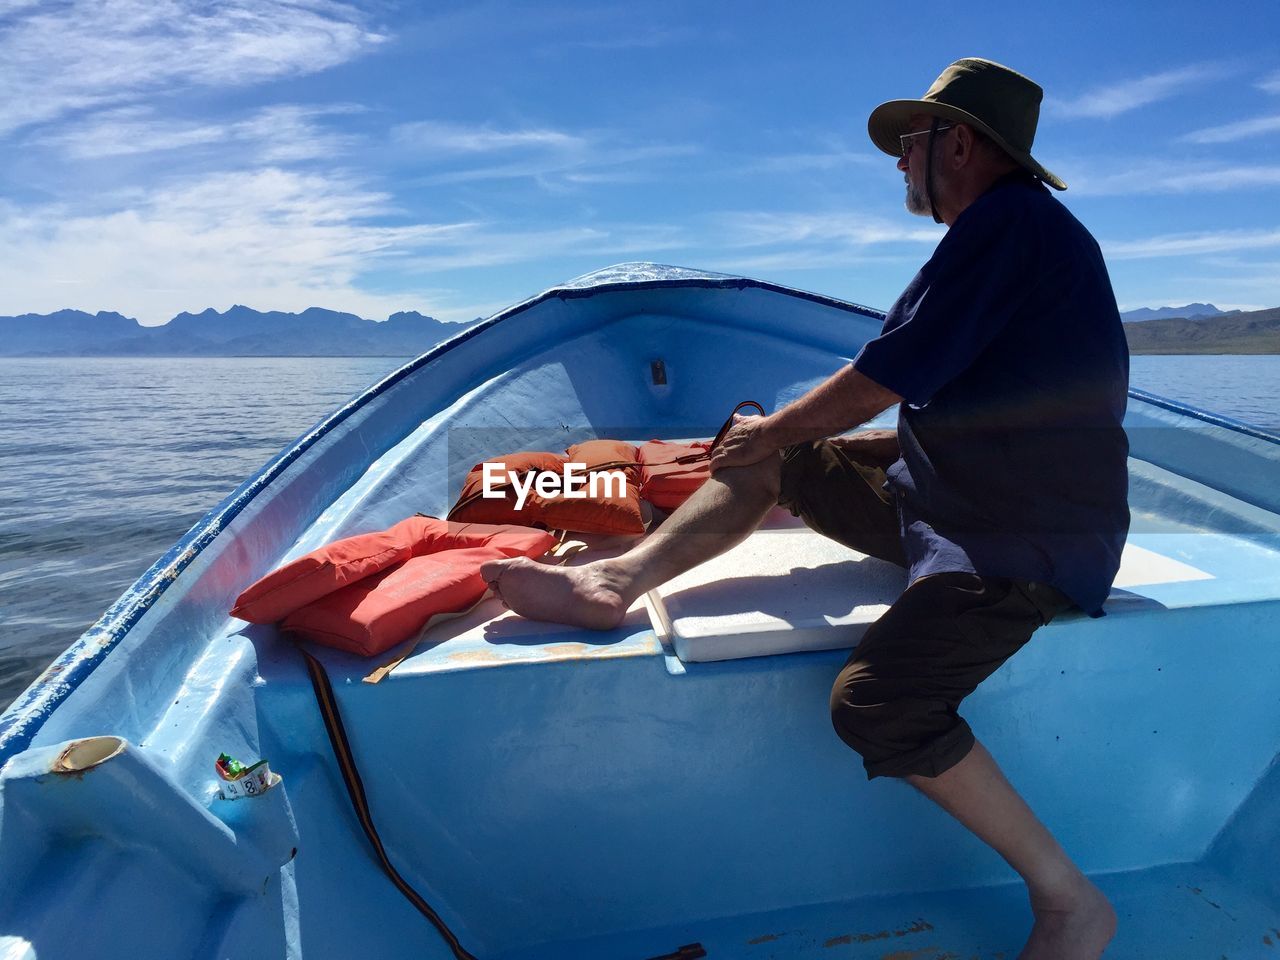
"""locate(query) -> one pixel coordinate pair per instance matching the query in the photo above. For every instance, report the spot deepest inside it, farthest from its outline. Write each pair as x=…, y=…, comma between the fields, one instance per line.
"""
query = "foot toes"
x=492, y=570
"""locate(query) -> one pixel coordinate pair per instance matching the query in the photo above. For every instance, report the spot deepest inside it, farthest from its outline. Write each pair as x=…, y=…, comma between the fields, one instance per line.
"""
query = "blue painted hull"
x=557, y=794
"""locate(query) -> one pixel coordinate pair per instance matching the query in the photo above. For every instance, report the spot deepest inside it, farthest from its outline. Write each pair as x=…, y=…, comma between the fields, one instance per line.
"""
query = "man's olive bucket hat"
x=1000, y=102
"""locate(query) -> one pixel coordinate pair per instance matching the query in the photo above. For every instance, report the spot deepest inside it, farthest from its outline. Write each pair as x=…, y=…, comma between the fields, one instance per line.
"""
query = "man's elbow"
x=878, y=398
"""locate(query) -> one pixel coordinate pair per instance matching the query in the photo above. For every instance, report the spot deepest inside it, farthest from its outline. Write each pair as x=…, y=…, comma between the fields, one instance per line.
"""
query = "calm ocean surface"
x=105, y=463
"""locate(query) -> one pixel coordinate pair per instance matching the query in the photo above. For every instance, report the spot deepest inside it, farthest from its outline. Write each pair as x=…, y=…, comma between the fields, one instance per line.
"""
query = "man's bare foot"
x=588, y=596
x=1074, y=926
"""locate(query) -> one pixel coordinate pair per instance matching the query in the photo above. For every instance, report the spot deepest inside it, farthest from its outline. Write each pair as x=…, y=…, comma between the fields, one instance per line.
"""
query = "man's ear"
x=965, y=146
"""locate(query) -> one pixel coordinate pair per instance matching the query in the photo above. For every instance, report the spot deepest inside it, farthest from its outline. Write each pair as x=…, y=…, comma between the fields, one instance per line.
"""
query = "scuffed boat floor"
x=1176, y=912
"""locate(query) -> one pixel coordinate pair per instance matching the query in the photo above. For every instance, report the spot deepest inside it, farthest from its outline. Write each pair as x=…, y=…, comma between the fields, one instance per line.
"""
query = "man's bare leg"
x=721, y=514
x=1074, y=921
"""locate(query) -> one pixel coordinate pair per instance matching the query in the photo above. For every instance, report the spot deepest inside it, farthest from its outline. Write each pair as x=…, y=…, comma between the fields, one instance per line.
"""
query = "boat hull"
x=556, y=793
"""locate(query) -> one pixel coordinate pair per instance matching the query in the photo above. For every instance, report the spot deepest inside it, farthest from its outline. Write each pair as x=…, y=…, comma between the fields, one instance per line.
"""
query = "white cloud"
x=829, y=160
x=754, y=229
x=552, y=171
x=126, y=130
x=1270, y=83
x=434, y=137
x=286, y=132
x=795, y=260
x=553, y=158
x=1171, y=177
x=60, y=57
x=758, y=243
x=270, y=238
x=1246, y=271
x=276, y=134
x=1117, y=98
x=636, y=175
x=1230, y=132
x=273, y=239
x=488, y=245
x=1192, y=244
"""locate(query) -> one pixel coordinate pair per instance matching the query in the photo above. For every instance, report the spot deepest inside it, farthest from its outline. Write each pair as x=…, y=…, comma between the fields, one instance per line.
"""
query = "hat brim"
x=891, y=120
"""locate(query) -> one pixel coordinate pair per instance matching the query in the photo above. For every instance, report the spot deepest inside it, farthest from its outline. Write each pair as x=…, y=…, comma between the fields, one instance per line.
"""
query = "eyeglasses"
x=906, y=141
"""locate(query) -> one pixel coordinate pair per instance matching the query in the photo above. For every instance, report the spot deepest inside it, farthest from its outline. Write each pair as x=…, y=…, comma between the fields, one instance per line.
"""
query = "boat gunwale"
x=1215, y=419
x=22, y=720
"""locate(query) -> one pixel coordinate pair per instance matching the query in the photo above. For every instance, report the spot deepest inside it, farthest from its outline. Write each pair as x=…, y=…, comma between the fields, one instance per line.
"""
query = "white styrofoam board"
x=1140, y=567
x=786, y=589
x=782, y=590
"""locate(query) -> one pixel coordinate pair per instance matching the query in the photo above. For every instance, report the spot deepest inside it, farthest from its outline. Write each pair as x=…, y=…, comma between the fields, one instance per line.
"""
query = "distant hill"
x=1191, y=311
x=238, y=332
x=1254, y=331
x=67, y=331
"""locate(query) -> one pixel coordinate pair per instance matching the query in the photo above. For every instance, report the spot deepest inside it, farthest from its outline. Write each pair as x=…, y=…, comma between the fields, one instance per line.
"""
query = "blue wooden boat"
x=672, y=788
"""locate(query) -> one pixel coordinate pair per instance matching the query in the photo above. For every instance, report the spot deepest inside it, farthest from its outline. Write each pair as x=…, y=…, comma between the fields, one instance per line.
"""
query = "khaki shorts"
x=842, y=498
x=897, y=698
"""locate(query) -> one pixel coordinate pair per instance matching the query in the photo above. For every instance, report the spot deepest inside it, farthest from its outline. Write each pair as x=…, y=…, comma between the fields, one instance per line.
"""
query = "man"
x=1006, y=498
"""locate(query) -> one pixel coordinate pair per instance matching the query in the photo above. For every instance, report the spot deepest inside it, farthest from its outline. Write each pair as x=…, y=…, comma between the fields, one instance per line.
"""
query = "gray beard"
x=918, y=202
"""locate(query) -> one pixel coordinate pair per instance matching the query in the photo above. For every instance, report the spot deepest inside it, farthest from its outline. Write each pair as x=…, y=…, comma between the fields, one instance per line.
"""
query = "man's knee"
x=866, y=711
x=762, y=480
x=897, y=726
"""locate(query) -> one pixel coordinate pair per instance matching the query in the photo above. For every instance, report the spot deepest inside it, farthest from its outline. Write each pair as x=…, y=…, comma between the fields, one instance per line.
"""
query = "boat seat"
x=810, y=593
x=807, y=593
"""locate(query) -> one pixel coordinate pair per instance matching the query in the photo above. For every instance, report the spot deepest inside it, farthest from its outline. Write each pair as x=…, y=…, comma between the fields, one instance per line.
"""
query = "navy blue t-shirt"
x=1009, y=354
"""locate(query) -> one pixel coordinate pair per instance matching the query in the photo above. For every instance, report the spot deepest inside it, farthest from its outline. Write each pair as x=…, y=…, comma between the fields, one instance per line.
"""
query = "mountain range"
x=1191, y=311
x=237, y=332
x=316, y=332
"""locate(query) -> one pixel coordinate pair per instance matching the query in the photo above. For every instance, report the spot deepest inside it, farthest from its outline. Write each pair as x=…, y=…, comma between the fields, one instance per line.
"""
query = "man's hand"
x=843, y=400
x=743, y=443
x=873, y=447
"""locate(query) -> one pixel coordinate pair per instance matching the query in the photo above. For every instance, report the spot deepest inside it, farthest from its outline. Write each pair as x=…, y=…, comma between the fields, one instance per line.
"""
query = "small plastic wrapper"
x=238, y=780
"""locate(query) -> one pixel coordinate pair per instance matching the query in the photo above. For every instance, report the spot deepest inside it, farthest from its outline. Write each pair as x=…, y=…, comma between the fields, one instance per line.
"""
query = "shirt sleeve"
x=977, y=279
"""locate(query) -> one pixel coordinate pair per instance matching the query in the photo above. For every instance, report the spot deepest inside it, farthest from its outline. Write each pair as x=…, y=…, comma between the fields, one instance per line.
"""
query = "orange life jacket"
x=671, y=472
x=365, y=594
x=473, y=506
x=606, y=513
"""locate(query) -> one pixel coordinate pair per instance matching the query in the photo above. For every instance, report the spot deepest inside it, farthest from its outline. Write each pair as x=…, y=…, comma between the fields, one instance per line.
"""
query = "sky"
x=455, y=158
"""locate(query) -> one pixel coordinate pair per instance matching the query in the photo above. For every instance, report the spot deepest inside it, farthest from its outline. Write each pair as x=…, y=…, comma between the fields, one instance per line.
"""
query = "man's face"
x=913, y=165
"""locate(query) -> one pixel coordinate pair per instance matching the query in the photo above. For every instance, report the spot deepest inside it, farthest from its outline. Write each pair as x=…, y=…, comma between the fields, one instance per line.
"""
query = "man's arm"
x=842, y=402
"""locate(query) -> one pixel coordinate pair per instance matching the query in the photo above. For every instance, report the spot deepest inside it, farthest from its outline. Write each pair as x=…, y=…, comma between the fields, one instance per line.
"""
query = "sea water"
x=106, y=462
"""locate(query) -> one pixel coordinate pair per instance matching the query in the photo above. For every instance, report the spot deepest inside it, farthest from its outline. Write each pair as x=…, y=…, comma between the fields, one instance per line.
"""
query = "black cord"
x=928, y=170
x=328, y=703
